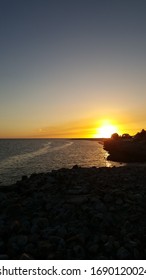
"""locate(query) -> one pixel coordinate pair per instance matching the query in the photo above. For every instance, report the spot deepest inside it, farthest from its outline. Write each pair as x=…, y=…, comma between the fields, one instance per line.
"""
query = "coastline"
x=126, y=151
x=78, y=213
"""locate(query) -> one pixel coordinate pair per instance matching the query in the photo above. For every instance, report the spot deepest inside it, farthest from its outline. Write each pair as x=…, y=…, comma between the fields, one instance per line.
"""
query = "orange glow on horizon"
x=106, y=130
x=82, y=128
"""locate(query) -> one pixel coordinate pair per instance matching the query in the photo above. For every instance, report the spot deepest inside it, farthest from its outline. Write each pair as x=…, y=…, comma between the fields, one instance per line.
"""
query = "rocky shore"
x=78, y=213
x=125, y=150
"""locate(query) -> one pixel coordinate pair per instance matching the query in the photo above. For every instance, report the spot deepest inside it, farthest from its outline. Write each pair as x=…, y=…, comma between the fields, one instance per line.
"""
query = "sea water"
x=26, y=156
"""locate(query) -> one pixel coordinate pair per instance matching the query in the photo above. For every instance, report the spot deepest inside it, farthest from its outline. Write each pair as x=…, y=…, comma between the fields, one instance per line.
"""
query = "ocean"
x=20, y=157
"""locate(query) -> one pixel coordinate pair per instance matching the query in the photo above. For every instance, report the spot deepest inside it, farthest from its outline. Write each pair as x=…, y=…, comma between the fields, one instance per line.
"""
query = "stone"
x=14, y=210
x=44, y=249
x=18, y=241
x=123, y=254
x=2, y=246
x=24, y=178
x=78, y=213
x=42, y=222
x=25, y=256
x=4, y=257
x=75, y=166
x=78, y=252
x=108, y=197
x=15, y=226
x=77, y=199
x=93, y=249
x=119, y=201
x=100, y=206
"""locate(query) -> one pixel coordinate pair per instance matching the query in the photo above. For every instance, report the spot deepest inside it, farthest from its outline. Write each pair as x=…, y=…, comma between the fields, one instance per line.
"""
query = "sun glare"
x=106, y=131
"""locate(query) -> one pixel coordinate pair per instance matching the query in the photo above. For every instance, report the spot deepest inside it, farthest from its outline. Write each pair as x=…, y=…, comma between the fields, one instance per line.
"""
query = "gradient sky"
x=68, y=65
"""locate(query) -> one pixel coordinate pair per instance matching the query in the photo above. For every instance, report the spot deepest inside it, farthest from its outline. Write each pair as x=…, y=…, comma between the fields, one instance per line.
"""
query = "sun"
x=106, y=130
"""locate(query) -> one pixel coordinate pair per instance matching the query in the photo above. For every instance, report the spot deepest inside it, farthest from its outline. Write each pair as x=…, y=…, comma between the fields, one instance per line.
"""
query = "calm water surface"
x=26, y=156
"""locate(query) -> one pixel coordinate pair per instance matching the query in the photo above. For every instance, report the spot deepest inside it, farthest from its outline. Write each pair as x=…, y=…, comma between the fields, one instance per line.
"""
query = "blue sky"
x=68, y=65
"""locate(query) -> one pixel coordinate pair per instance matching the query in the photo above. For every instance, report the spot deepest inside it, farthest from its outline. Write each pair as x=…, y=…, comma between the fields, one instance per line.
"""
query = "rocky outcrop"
x=78, y=213
x=125, y=150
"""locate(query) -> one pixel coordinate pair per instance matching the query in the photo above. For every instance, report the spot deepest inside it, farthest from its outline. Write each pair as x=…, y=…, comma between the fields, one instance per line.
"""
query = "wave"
x=20, y=159
x=61, y=147
x=24, y=157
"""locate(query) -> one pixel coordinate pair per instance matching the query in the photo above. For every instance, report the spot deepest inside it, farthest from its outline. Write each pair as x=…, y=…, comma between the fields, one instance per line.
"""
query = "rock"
x=24, y=178
x=123, y=254
x=100, y=206
x=75, y=166
x=93, y=249
x=41, y=222
x=3, y=197
x=136, y=254
x=31, y=249
x=108, y=246
x=4, y=257
x=2, y=246
x=45, y=249
x=14, y=210
x=78, y=252
x=104, y=238
x=57, y=241
x=34, y=229
x=34, y=237
x=116, y=244
x=108, y=197
x=119, y=201
x=15, y=226
x=77, y=199
x=77, y=213
x=18, y=242
x=25, y=256
x=76, y=190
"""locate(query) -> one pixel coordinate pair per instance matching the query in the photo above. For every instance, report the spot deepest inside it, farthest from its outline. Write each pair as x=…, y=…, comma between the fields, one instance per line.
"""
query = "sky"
x=67, y=66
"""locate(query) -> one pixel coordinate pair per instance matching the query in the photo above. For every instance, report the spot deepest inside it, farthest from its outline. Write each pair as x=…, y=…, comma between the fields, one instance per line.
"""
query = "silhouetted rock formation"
x=127, y=148
x=140, y=136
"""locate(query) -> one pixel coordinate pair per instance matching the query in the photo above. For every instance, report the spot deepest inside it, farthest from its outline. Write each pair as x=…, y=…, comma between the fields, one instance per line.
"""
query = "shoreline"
x=77, y=213
x=126, y=151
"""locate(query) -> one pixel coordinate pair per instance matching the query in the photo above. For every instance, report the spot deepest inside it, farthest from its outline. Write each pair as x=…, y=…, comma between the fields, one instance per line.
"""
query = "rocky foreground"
x=78, y=213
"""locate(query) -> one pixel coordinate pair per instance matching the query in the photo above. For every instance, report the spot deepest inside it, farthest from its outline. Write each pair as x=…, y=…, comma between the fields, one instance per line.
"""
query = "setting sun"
x=106, y=131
